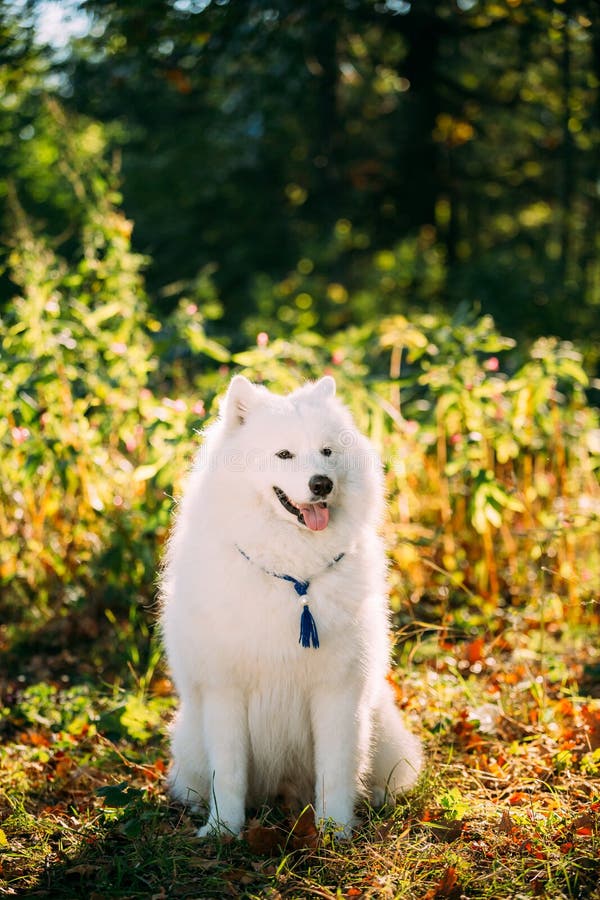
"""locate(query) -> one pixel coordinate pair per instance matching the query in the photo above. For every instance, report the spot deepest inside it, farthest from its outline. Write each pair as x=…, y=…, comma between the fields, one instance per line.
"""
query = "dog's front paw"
x=219, y=829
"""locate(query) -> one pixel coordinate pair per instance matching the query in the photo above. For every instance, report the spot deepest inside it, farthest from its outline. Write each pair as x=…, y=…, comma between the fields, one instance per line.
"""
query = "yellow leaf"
x=144, y=473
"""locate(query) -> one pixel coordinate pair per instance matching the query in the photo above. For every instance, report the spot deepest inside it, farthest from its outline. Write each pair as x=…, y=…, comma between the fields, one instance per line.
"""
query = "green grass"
x=509, y=805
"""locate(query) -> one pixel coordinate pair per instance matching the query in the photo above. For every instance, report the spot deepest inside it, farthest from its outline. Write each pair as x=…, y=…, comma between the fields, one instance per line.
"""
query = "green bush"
x=90, y=437
x=491, y=451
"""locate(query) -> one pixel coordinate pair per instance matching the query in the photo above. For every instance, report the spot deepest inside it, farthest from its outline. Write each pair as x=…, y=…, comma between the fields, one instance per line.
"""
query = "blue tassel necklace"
x=308, y=627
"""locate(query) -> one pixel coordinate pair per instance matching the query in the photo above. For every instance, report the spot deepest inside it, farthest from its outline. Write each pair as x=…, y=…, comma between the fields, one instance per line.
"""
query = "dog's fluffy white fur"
x=259, y=712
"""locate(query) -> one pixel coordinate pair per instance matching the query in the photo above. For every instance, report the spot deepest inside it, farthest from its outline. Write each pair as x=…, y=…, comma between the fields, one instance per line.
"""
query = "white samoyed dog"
x=275, y=620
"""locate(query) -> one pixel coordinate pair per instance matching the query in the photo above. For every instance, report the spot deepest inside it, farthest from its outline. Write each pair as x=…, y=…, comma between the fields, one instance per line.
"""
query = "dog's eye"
x=285, y=454
x=326, y=451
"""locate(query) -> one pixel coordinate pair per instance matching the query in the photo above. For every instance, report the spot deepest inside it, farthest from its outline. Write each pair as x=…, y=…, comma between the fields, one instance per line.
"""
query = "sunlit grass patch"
x=509, y=804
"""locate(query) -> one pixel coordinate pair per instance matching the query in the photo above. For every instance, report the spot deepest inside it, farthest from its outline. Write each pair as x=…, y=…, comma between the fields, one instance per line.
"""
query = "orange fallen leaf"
x=447, y=886
x=591, y=718
x=162, y=687
x=565, y=707
x=35, y=738
x=474, y=650
x=63, y=766
x=398, y=693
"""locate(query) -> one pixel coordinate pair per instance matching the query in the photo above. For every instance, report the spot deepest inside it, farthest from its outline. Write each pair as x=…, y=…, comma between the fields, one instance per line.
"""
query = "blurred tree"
x=20, y=65
x=525, y=165
x=255, y=134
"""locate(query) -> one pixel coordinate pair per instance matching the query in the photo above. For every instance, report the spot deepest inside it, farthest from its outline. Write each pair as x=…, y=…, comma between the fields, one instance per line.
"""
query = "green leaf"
x=119, y=795
x=570, y=369
x=141, y=718
x=454, y=804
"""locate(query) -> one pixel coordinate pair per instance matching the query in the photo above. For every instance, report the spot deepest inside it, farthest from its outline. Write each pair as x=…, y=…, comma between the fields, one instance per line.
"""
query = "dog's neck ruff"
x=308, y=627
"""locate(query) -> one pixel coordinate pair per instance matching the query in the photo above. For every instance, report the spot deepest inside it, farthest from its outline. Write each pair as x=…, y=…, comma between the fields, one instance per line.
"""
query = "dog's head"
x=301, y=453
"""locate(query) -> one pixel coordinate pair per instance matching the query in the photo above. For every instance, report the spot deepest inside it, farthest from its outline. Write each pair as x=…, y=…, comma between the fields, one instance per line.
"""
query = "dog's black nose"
x=320, y=485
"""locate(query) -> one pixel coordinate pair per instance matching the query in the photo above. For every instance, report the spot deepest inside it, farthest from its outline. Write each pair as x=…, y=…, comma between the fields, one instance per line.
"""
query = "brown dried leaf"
x=84, y=869
x=448, y=882
x=304, y=834
x=201, y=863
x=264, y=840
x=447, y=887
x=506, y=824
x=591, y=718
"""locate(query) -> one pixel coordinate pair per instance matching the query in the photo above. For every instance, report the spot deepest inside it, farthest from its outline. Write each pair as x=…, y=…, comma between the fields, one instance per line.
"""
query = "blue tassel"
x=308, y=629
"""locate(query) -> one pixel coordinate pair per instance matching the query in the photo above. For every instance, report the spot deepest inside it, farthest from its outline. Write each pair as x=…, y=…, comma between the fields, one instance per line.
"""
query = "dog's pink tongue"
x=315, y=517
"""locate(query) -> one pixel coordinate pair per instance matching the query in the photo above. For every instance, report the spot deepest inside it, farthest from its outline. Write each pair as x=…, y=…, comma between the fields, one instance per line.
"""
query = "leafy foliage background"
x=289, y=189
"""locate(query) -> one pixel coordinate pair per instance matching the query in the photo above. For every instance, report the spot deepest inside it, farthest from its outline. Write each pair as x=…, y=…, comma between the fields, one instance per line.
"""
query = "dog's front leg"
x=336, y=732
x=226, y=738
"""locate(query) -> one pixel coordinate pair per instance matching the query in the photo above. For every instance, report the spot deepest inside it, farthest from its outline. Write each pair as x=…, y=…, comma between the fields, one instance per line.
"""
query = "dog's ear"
x=324, y=389
x=241, y=396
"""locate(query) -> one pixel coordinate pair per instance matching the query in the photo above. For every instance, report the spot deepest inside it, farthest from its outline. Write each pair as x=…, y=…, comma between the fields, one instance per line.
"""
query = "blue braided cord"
x=308, y=627
x=301, y=587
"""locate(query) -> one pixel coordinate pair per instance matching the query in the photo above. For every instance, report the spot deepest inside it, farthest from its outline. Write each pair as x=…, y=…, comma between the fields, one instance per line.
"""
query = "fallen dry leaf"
x=506, y=824
x=447, y=887
x=591, y=718
x=474, y=651
x=304, y=833
x=264, y=840
x=84, y=869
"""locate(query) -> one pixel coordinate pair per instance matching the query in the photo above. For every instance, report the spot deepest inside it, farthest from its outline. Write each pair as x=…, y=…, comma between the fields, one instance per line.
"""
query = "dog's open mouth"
x=314, y=515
